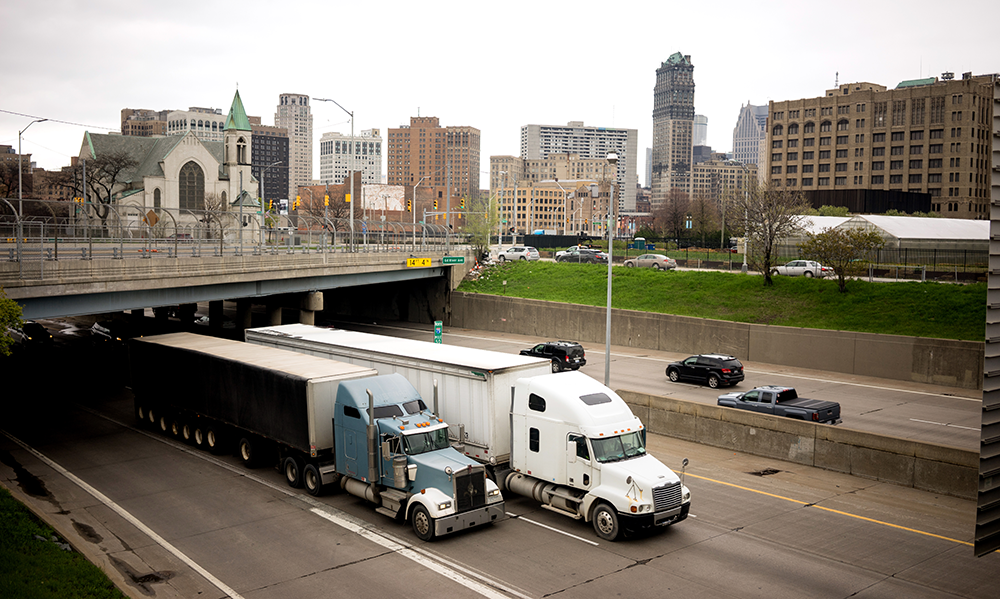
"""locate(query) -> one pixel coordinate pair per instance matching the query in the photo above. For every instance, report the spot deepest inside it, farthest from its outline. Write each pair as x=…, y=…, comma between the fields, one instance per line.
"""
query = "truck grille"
x=470, y=489
x=667, y=497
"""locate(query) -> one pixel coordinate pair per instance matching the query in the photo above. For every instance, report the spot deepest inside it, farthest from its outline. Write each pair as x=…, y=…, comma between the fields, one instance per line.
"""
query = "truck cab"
x=393, y=451
x=577, y=448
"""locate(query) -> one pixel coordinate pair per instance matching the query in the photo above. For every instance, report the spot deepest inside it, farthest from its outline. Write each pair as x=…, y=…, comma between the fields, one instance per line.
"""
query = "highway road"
x=928, y=413
x=171, y=521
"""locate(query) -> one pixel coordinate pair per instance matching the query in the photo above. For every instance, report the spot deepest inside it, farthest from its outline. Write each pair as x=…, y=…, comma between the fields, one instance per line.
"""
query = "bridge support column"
x=244, y=308
x=273, y=315
x=312, y=302
x=215, y=315
x=186, y=313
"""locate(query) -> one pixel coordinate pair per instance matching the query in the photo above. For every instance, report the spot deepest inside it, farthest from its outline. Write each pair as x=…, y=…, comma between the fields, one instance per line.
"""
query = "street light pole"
x=613, y=160
x=353, y=150
x=20, y=207
x=746, y=227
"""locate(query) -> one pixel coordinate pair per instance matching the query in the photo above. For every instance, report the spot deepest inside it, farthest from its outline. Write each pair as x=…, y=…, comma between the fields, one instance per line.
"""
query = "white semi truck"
x=563, y=439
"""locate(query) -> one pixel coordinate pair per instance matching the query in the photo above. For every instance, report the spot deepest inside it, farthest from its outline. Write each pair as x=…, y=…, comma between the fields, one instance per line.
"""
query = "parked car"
x=571, y=248
x=806, y=268
x=584, y=255
x=565, y=355
x=783, y=401
x=112, y=330
x=518, y=252
x=712, y=369
x=657, y=261
x=30, y=335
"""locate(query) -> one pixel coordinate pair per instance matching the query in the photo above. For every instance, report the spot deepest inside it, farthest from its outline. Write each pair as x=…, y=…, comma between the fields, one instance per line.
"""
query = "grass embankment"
x=34, y=564
x=939, y=310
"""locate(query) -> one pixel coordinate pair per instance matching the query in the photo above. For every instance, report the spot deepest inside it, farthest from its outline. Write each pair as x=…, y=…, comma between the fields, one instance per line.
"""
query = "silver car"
x=518, y=252
x=805, y=268
x=657, y=261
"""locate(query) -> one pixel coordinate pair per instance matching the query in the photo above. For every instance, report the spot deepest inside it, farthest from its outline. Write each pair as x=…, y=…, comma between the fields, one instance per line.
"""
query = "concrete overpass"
x=70, y=287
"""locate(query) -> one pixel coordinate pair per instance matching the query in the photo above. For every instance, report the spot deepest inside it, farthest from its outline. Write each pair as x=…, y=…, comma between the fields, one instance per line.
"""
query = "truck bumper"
x=478, y=517
x=664, y=518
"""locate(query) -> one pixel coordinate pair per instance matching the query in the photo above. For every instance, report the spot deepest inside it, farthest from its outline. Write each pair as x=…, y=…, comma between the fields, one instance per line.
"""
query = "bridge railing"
x=34, y=232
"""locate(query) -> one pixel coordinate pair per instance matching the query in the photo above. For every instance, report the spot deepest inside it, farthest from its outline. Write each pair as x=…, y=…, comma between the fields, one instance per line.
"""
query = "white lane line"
x=763, y=372
x=129, y=518
x=562, y=532
x=453, y=571
x=968, y=428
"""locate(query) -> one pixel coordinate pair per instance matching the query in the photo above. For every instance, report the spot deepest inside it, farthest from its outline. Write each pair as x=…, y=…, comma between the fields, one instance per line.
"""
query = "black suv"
x=712, y=369
x=565, y=355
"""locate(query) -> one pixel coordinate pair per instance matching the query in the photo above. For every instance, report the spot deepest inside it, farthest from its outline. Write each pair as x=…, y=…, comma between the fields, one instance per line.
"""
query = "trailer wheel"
x=312, y=480
x=175, y=428
x=423, y=524
x=605, y=522
x=198, y=437
x=213, y=438
x=164, y=424
x=247, y=453
x=140, y=413
x=151, y=416
x=293, y=472
x=187, y=432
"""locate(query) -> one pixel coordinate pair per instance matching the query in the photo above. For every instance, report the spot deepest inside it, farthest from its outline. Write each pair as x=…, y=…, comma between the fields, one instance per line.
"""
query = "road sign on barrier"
x=453, y=260
x=417, y=262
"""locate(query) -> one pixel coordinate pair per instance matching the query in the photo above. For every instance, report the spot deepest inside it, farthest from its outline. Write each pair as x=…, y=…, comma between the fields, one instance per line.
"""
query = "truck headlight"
x=444, y=506
x=687, y=495
x=494, y=493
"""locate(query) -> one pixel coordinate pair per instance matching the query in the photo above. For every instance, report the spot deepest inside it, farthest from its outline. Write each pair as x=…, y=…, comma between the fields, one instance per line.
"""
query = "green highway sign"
x=453, y=260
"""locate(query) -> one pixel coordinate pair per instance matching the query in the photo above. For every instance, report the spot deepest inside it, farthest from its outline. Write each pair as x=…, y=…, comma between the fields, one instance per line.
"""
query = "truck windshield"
x=424, y=442
x=622, y=447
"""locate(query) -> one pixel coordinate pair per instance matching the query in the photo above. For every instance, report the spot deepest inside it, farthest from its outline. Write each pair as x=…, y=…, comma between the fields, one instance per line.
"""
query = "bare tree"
x=670, y=216
x=8, y=179
x=214, y=216
x=764, y=215
x=105, y=176
x=704, y=217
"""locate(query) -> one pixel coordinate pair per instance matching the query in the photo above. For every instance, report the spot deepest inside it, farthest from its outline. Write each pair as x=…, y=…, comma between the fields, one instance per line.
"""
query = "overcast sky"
x=495, y=67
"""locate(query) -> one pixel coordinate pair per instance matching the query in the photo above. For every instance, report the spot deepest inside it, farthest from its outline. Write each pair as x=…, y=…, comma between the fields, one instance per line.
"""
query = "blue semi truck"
x=324, y=424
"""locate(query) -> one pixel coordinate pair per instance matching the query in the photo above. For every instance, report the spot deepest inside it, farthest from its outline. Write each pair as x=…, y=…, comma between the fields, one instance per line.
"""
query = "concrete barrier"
x=924, y=466
x=919, y=359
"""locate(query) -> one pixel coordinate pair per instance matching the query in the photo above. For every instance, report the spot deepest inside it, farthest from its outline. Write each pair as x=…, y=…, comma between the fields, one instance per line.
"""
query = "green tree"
x=10, y=316
x=827, y=211
x=764, y=215
x=482, y=217
x=894, y=212
x=846, y=251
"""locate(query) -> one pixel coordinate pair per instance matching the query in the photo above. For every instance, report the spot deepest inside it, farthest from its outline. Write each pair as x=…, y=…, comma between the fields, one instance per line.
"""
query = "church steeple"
x=237, y=134
x=237, y=118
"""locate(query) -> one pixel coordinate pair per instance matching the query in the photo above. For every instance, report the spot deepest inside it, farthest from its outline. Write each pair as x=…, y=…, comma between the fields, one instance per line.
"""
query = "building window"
x=878, y=165
x=934, y=163
x=842, y=153
x=808, y=155
x=916, y=149
x=793, y=129
x=898, y=136
x=809, y=142
x=191, y=187
x=807, y=168
x=878, y=180
x=793, y=156
x=916, y=135
x=807, y=182
x=824, y=141
x=896, y=151
x=156, y=198
x=898, y=113
x=841, y=139
x=793, y=143
x=895, y=179
x=841, y=166
x=791, y=169
x=825, y=126
x=896, y=165
x=859, y=152
x=776, y=143
x=809, y=127
x=824, y=168
x=791, y=182
x=777, y=130
x=824, y=154
x=935, y=149
x=934, y=178
x=823, y=181
x=843, y=124
x=775, y=170
x=916, y=164
x=826, y=111
x=840, y=181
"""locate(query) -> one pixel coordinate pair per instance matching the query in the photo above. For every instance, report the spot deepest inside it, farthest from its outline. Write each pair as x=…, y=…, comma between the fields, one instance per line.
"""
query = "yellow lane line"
x=842, y=513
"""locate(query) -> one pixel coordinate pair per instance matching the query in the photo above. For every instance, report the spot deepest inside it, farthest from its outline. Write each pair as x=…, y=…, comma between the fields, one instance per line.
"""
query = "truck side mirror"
x=571, y=452
x=386, y=453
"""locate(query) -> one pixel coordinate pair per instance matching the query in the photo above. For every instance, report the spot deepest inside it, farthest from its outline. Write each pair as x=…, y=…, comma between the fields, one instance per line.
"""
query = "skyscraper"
x=424, y=153
x=673, y=127
x=751, y=128
x=293, y=114
x=700, y=130
x=335, y=157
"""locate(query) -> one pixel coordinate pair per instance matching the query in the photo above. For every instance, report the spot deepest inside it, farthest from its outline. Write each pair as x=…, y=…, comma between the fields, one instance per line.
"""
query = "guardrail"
x=55, y=231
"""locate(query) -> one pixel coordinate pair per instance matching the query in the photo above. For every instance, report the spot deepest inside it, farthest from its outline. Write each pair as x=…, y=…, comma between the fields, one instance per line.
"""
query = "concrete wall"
x=924, y=466
x=920, y=359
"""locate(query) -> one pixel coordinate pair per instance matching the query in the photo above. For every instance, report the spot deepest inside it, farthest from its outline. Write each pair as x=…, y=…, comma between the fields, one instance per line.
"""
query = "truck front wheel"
x=605, y=522
x=247, y=453
x=312, y=480
x=423, y=524
x=293, y=472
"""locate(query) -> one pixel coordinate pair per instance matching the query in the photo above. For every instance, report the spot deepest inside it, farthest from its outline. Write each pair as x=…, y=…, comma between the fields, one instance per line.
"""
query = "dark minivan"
x=565, y=355
x=711, y=369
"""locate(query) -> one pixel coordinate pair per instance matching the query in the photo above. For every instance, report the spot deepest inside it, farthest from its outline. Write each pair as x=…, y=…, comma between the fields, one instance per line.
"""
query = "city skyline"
x=89, y=91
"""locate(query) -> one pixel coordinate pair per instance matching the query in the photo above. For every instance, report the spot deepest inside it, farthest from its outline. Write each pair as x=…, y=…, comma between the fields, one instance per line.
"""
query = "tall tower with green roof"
x=238, y=138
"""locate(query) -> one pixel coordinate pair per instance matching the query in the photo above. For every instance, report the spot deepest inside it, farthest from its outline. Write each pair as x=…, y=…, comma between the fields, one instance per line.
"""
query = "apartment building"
x=335, y=160
x=924, y=145
x=568, y=207
x=539, y=142
x=269, y=159
x=673, y=127
x=442, y=159
x=717, y=179
x=207, y=123
x=141, y=122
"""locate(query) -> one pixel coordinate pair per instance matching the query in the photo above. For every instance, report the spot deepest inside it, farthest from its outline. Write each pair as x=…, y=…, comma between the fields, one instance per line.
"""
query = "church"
x=185, y=175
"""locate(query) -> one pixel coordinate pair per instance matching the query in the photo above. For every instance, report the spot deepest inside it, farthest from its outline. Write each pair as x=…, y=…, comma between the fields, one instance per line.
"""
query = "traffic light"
x=326, y=200
x=409, y=205
x=463, y=203
x=270, y=205
x=296, y=203
x=435, y=204
x=347, y=198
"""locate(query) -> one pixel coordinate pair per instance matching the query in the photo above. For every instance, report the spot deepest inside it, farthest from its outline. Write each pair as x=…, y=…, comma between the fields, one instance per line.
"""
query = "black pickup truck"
x=783, y=401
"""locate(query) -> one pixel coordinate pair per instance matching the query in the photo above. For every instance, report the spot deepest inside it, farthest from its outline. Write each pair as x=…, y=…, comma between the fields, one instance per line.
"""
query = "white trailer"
x=473, y=386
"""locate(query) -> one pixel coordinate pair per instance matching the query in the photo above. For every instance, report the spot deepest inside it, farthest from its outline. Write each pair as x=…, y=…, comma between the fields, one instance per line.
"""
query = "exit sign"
x=453, y=260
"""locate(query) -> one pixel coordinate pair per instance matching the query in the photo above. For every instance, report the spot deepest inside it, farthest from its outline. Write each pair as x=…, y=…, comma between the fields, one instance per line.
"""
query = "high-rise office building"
x=335, y=157
x=424, y=153
x=270, y=146
x=538, y=142
x=700, y=130
x=924, y=145
x=673, y=127
x=751, y=128
x=294, y=115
